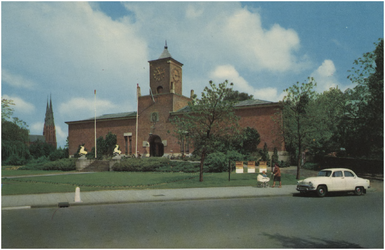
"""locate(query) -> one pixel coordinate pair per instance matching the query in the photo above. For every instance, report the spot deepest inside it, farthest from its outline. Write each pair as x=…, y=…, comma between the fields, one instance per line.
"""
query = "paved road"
x=265, y=222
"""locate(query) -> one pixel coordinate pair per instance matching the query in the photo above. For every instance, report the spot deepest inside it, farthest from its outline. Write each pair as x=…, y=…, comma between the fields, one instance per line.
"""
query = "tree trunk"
x=298, y=166
x=201, y=168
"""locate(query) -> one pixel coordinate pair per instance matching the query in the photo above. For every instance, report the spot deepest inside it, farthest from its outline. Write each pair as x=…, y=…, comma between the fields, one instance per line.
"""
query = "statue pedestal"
x=82, y=163
x=117, y=157
x=114, y=160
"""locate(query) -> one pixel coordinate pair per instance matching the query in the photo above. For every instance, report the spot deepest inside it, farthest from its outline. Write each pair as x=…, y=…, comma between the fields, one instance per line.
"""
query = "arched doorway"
x=156, y=146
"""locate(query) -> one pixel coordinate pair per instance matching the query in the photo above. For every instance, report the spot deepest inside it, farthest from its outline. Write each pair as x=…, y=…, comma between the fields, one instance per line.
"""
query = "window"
x=154, y=117
x=325, y=173
x=337, y=174
x=348, y=174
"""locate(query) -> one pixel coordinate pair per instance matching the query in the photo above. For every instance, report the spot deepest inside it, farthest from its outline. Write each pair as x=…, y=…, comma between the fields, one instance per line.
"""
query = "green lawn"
x=122, y=180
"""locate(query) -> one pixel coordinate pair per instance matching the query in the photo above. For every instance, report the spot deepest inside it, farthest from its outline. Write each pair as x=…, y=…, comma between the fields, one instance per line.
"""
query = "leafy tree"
x=328, y=107
x=365, y=112
x=14, y=136
x=299, y=120
x=105, y=146
x=6, y=109
x=237, y=96
x=209, y=118
x=39, y=149
x=265, y=153
x=245, y=142
x=250, y=140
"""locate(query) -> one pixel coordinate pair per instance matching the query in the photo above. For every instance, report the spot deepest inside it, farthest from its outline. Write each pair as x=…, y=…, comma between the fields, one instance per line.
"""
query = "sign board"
x=239, y=167
x=251, y=167
x=263, y=166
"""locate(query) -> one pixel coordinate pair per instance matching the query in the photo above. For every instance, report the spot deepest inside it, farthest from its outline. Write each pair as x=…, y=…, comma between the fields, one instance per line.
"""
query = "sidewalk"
x=148, y=195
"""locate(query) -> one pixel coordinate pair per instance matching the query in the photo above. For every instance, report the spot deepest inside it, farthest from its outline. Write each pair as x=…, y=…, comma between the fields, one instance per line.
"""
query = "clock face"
x=176, y=75
x=159, y=73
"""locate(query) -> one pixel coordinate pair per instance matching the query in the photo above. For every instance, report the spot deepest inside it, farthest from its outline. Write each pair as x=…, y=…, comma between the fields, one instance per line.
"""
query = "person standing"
x=277, y=175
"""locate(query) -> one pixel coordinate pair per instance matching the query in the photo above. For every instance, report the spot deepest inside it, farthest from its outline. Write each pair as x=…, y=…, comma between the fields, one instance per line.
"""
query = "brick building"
x=155, y=110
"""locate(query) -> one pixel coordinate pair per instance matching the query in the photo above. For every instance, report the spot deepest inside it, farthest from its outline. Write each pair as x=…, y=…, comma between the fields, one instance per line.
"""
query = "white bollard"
x=77, y=195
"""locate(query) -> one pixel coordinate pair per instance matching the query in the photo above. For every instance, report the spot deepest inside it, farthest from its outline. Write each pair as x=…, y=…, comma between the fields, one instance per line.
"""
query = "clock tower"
x=165, y=74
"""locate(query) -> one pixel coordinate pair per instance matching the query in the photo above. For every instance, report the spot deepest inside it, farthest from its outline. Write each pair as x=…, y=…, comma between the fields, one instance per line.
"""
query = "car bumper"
x=305, y=188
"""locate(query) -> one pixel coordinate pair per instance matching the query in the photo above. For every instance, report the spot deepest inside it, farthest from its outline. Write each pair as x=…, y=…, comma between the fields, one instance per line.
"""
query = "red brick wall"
x=261, y=119
x=164, y=103
x=83, y=133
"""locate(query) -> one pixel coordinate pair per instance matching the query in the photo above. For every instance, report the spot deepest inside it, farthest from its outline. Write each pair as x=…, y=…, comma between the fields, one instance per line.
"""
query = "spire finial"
x=165, y=46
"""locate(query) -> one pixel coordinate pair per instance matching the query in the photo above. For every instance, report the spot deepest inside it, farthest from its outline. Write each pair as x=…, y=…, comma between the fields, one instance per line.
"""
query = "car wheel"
x=358, y=191
x=321, y=191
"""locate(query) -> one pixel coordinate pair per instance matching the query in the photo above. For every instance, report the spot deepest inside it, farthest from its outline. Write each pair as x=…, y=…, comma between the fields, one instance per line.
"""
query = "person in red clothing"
x=277, y=175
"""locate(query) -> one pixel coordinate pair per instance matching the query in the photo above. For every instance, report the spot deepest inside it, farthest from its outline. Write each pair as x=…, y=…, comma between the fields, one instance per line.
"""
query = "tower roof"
x=165, y=53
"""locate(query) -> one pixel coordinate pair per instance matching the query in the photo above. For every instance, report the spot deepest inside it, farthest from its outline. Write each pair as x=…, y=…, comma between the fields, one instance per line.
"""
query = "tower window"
x=159, y=90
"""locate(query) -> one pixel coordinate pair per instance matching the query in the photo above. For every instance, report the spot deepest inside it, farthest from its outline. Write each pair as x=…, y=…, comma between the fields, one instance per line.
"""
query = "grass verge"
x=126, y=180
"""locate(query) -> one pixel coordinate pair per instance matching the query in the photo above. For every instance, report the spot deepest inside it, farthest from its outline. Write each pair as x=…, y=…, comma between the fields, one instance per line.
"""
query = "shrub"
x=141, y=165
x=57, y=154
x=43, y=163
x=62, y=165
x=274, y=157
x=14, y=152
x=265, y=153
x=155, y=165
x=216, y=162
x=15, y=160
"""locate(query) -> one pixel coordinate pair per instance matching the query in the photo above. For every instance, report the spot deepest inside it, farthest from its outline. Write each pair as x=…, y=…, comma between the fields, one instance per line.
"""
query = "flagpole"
x=96, y=149
x=137, y=112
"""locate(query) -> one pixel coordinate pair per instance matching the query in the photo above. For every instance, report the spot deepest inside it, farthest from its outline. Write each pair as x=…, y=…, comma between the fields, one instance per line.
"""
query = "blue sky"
x=68, y=49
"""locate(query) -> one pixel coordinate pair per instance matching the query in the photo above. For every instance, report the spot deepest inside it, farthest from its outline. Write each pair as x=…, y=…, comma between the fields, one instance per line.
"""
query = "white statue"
x=116, y=150
x=82, y=151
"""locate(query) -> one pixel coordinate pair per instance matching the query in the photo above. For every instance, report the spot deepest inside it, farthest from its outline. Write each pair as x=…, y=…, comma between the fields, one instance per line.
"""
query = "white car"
x=334, y=180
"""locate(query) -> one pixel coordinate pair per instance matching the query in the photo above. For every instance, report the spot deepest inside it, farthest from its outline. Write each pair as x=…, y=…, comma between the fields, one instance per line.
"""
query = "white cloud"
x=20, y=106
x=227, y=32
x=17, y=81
x=271, y=49
x=228, y=72
x=325, y=76
x=69, y=45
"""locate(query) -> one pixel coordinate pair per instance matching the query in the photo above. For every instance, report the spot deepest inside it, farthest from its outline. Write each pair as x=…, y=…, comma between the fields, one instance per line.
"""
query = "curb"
x=78, y=204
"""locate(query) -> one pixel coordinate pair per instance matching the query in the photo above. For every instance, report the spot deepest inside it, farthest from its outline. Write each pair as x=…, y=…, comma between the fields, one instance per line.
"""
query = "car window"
x=325, y=173
x=337, y=174
x=348, y=174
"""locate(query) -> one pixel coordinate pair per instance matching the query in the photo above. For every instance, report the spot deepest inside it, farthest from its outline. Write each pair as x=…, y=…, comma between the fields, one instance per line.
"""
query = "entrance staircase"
x=97, y=166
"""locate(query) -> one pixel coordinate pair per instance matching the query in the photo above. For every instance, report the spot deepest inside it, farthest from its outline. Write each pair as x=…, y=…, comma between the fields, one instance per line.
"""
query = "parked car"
x=334, y=180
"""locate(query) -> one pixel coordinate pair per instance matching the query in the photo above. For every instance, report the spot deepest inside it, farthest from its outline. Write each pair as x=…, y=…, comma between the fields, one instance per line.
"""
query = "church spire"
x=49, y=130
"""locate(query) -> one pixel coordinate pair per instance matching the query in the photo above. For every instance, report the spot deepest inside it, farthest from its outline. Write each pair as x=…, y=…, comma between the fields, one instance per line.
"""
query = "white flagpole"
x=96, y=149
x=137, y=112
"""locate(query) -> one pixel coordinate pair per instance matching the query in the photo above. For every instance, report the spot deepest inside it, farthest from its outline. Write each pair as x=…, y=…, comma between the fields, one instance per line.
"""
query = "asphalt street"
x=291, y=221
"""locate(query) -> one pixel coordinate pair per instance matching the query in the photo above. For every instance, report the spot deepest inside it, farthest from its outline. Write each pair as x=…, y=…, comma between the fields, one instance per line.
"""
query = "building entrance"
x=156, y=146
